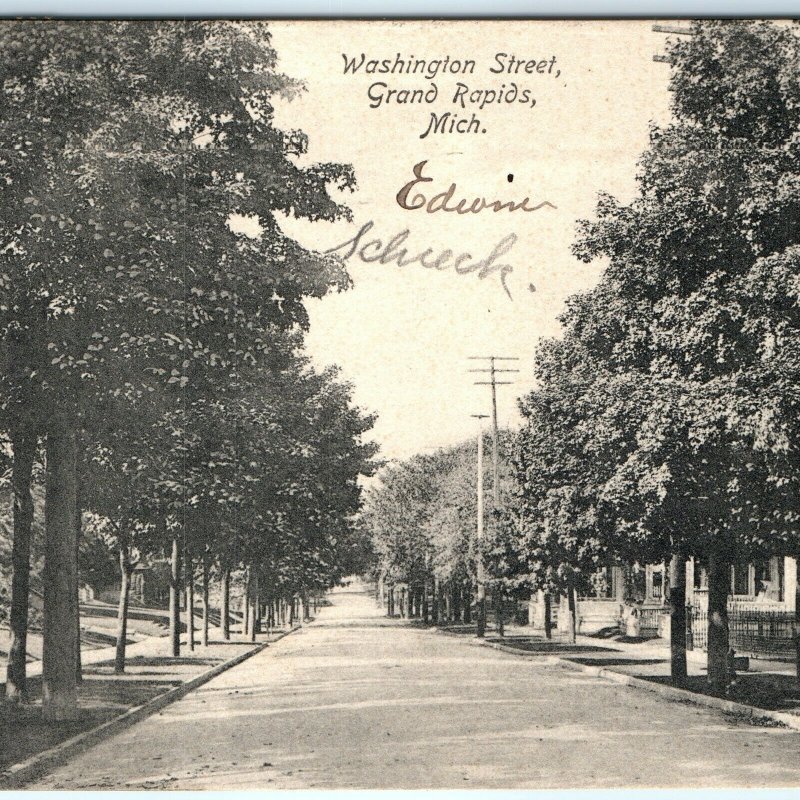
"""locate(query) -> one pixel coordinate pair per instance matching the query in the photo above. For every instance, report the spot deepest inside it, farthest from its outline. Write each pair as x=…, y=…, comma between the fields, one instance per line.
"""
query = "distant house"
x=633, y=600
x=596, y=611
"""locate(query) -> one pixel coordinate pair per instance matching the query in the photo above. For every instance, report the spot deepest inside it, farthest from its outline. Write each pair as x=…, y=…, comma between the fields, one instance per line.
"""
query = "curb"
x=502, y=648
x=684, y=695
x=526, y=654
x=23, y=772
x=673, y=693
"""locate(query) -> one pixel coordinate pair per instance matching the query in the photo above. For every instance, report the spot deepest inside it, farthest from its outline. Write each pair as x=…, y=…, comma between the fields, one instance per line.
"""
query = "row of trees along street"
x=421, y=517
x=152, y=354
x=664, y=422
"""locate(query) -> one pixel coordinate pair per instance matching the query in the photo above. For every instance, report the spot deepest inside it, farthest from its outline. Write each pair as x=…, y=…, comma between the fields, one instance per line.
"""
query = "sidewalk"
x=769, y=685
x=108, y=702
x=147, y=626
x=152, y=646
x=149, y=647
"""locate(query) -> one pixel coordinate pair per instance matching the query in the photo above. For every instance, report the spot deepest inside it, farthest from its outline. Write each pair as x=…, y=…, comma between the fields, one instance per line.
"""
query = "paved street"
x=358, y=701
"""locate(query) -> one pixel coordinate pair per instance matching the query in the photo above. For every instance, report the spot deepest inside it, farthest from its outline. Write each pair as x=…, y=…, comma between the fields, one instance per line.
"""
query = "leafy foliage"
x=133, y=309
x=667, y=416
x=423, y=517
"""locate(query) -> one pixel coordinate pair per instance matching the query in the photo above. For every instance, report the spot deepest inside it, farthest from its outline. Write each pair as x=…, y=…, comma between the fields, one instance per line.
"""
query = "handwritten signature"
x=375, y=250
x=443, y=201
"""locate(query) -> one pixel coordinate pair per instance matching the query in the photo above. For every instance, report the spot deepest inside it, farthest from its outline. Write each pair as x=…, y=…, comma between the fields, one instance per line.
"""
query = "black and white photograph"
x=399, y=404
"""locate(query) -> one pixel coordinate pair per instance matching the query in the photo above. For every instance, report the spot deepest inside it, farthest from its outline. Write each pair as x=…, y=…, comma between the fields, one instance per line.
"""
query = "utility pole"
x=679, y=30
x=494, y=383
x=493, y=370
x=480, y=578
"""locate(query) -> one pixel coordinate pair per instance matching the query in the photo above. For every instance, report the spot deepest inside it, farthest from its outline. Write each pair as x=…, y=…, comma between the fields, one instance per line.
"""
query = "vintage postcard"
x=399, y=404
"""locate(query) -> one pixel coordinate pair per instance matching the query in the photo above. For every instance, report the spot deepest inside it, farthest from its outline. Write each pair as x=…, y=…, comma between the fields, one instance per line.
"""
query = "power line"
x=494, y=383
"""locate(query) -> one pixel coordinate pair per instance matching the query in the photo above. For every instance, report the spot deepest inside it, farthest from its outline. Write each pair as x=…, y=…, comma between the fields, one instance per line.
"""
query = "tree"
x=126, y=149
x=565, y=452
x=119, y=494
x=704, y=263
x=423, y=518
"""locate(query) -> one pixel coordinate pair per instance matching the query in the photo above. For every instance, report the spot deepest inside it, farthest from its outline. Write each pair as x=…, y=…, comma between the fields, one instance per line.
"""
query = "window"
x=657, y=589
x=700, y=576
x=601, y=583
x=763, y=578
x=741, y=583
x=768, y=579
x=655, y=583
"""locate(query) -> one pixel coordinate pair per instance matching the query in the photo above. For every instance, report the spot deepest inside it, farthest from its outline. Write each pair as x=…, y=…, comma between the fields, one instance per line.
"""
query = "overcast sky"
x=403, y=336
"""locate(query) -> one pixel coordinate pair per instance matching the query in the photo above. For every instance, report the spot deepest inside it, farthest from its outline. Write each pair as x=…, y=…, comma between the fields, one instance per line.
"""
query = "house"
x=633, y=600
x=597, y=611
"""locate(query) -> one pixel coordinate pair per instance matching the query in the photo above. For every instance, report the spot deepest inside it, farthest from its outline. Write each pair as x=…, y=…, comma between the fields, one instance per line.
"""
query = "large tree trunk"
x=572, y=618
x=719, y=577
x=226, y=600
x=246, y=605
x=797, y=619
x=59, y=662
x=270, y=614
x=677, y=618
x=78, y=658
x=480, y=605
x=188, y=566
x=78, y=534
x=253, y=603
x=125, y=570
x=498, y=610
x=24, y=442
x=204, y=639
x=548, y=616
x=175, y=598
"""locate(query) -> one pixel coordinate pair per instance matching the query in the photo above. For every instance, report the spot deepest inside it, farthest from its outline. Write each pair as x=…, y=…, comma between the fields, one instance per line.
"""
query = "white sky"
x=403, y=335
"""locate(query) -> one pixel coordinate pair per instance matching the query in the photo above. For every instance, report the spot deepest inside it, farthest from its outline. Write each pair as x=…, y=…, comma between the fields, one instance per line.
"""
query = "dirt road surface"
x=358, y=701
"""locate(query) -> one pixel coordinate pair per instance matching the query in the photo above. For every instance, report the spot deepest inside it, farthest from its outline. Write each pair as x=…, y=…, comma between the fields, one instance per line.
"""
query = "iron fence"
x=753, y=632
x=648, y=622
